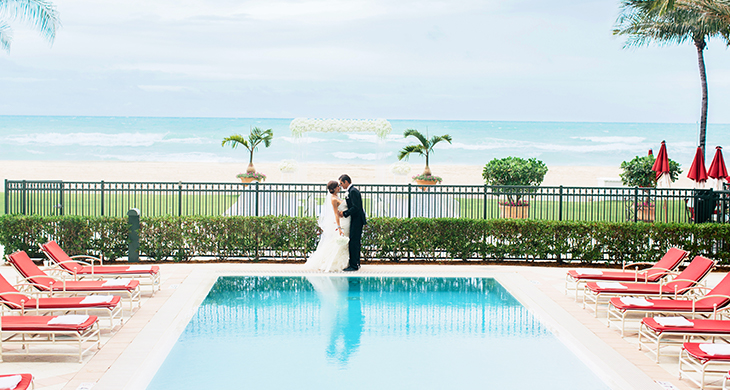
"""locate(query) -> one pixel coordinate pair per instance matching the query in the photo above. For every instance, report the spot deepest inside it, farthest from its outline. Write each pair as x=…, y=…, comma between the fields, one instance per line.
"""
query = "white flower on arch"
x=380, y=127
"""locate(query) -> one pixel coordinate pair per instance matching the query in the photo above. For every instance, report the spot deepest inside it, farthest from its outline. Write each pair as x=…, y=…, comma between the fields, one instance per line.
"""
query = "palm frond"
x=439, y=138
x=6, y=35
x=41, y=14
x=235, y=140
x=664, y=23
x=418, y=135
x=406, y=151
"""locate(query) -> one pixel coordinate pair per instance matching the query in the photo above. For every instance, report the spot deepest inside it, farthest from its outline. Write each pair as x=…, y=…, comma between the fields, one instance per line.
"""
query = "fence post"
x=179, y=199
x=60, y=200
x=636, y=204
x=7, y=198
x=256, y=201
x=102, y=198
x=133, y=238
x=23, y=198
x=560, y=205
x=409, y=200
x=485, y=201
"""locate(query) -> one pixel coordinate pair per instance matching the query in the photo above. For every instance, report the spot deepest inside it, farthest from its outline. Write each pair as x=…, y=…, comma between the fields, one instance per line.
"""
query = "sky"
x=514, y=60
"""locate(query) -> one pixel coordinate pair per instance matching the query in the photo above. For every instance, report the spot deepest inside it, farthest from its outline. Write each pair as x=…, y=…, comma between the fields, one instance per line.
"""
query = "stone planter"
x=425, y=183
x=645, y=212
x=513, y=212
x=247, y=179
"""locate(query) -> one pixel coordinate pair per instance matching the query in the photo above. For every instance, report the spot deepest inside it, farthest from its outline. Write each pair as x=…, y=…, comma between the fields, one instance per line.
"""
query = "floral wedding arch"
x=380, y=127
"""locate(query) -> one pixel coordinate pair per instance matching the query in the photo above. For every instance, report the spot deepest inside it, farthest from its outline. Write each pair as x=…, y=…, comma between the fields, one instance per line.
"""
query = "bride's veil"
x=327, y=217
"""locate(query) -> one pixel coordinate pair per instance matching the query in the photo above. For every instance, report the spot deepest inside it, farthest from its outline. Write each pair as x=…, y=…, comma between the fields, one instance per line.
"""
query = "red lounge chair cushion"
x=693, y=349
x=14, y=300
x=71, y=303
x=667, y=305
x=618, y=276
x=54, y=251
x=700, y=326
x=669, y=261
x=697, y=269
x=28, y=269
x=633, y=288
x=40, y=323
x=115, y=270
x=94, y=285
x=25, y=381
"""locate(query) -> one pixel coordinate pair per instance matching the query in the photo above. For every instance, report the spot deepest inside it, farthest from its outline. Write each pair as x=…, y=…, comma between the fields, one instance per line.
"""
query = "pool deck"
x=130, y=356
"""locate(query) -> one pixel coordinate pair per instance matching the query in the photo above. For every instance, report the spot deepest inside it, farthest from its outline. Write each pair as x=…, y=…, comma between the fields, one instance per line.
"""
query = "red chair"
x=694, y=358
x=22, y=303
x=48, y=284
x=716, y=299
x=654, y=334
x=657, y=271
x=49, y=330
x=71, y=264
x=695, y=272
x=24, y=381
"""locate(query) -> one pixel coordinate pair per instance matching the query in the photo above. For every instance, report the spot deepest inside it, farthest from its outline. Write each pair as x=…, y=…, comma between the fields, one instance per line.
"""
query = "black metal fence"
x=616, y=204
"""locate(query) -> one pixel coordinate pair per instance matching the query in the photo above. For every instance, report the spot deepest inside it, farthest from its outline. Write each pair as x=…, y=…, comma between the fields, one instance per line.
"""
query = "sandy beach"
x=570, y=176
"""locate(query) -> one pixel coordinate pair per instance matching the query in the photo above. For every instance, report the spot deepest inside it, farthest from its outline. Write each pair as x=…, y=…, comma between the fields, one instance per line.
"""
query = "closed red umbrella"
x=661, y=167
x=718, y=171
x=697, y=171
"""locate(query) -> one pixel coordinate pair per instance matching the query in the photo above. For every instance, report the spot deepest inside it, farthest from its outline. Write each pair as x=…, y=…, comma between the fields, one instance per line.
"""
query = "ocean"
x=77, y=138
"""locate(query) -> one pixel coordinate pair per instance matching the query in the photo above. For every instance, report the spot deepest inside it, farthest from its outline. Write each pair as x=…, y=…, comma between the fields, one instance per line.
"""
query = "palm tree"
x=709, y=9
x=424, y=149
x=39, y=13
x=255, y=138
x=646, y=21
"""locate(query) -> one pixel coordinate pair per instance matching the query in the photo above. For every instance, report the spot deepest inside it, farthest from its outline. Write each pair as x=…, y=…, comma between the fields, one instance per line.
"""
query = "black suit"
x=357, y=221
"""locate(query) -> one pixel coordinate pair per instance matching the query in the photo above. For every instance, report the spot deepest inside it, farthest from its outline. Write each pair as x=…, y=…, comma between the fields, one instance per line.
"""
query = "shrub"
x=388, y=239
x=638, y=172
x=514, y=171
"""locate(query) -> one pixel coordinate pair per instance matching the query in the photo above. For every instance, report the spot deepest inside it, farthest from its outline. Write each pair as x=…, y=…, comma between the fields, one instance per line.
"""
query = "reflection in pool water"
x=333, y=332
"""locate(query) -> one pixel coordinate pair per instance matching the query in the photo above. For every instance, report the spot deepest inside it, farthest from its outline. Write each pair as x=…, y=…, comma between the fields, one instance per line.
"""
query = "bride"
x=332, y=254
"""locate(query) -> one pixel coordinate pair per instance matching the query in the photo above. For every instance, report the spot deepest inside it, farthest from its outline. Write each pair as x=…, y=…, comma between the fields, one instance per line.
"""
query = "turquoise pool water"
x=337, y=332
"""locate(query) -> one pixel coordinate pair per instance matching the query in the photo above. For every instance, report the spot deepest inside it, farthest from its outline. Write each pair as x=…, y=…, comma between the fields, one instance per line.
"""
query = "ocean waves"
x=98, y=139
x=474, y=142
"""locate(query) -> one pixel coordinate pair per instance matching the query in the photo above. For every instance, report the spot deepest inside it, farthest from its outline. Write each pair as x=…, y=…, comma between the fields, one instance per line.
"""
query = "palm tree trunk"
x=427, y=170
x=700, y=45
x=250, y=168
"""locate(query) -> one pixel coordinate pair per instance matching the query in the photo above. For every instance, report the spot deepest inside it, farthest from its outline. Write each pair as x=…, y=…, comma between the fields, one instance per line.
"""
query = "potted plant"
x=255, y=138
x=638, y=173
x=514, y=171
x=425, y=148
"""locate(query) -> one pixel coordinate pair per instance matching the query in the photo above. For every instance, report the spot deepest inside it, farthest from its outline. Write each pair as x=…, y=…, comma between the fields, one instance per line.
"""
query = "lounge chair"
x=51, y=331
x=81, y=269
x=16, y=381
x=50, y=285
x=658, y=332
x=703, y=359
x=15, y=300
x=671, y=260
x=716, y=299
x=697, y=270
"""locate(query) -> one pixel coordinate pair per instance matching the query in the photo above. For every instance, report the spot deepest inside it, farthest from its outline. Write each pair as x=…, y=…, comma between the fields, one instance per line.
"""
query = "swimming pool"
x=334, y=332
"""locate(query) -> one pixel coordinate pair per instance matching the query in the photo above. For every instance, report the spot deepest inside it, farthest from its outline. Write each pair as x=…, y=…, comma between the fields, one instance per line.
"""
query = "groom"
x=357, y=220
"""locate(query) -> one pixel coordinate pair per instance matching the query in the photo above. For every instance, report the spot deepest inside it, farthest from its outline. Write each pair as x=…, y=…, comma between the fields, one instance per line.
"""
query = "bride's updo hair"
x=332, y=185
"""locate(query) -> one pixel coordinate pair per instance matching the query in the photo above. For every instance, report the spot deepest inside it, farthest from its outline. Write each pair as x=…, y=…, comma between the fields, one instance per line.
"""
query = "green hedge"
x=389, y=239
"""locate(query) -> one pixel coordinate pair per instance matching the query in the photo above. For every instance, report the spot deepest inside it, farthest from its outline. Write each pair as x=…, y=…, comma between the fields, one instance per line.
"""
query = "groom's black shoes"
x=350, y=269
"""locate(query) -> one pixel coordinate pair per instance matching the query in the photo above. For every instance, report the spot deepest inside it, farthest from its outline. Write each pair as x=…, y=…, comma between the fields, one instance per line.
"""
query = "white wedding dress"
x=332, y=253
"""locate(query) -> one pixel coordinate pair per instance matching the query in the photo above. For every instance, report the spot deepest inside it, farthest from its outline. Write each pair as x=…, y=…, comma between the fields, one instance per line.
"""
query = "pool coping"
x=155, y=339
